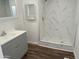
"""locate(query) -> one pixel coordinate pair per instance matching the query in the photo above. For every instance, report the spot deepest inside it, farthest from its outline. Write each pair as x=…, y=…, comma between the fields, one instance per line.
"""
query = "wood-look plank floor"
x=39, y=52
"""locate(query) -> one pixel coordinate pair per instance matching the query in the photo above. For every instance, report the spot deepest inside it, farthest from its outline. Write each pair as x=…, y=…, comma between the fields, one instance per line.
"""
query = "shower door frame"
x=68, y=48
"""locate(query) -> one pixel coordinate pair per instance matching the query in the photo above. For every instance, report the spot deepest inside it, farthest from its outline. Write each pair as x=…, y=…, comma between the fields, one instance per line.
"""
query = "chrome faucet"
x=3, y=33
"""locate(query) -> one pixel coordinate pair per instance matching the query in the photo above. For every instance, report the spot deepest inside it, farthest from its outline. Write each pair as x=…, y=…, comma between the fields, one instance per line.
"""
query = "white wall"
x=76, y=52
x=32, y=27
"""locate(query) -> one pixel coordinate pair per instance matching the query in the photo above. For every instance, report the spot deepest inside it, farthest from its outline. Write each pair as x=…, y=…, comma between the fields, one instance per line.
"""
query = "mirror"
x=7, y=8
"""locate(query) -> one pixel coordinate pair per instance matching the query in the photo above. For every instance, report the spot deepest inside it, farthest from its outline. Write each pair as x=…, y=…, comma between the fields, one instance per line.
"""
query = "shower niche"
x=30, y=12
x=58, y=24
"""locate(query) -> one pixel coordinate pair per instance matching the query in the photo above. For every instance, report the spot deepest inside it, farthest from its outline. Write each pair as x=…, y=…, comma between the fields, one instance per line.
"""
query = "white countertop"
x=10, y=36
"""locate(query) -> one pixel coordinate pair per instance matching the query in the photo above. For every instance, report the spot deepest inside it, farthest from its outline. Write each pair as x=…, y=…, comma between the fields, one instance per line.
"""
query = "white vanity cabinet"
x=16, y=47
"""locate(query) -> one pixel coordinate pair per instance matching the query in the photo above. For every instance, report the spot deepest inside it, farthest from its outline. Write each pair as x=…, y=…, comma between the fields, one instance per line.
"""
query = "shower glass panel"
x=58, y=21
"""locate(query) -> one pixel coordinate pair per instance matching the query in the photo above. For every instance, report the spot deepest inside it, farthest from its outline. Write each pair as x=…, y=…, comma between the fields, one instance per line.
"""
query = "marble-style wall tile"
x=59, y=18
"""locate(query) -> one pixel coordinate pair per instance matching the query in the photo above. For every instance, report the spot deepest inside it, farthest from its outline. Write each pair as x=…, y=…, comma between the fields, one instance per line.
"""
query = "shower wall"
x=58, y=21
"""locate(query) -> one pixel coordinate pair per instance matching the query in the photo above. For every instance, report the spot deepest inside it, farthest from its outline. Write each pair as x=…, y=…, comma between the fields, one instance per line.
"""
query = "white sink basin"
x=10, y=36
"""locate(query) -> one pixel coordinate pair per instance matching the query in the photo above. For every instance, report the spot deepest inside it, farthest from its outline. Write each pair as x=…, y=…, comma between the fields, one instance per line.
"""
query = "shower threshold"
x=57, y=41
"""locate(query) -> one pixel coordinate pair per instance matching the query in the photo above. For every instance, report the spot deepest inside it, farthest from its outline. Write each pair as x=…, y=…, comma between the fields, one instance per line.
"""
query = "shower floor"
x=57, y=41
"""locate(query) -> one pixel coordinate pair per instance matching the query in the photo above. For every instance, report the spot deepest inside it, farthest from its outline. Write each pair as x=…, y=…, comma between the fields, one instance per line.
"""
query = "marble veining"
x=59, y=19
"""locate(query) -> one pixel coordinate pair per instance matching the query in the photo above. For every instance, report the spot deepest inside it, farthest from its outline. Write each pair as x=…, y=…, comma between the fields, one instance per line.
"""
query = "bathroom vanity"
x=14, y=44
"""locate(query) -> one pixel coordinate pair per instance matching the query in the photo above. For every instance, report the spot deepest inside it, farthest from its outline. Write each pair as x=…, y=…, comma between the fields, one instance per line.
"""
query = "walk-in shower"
x=58, y=24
